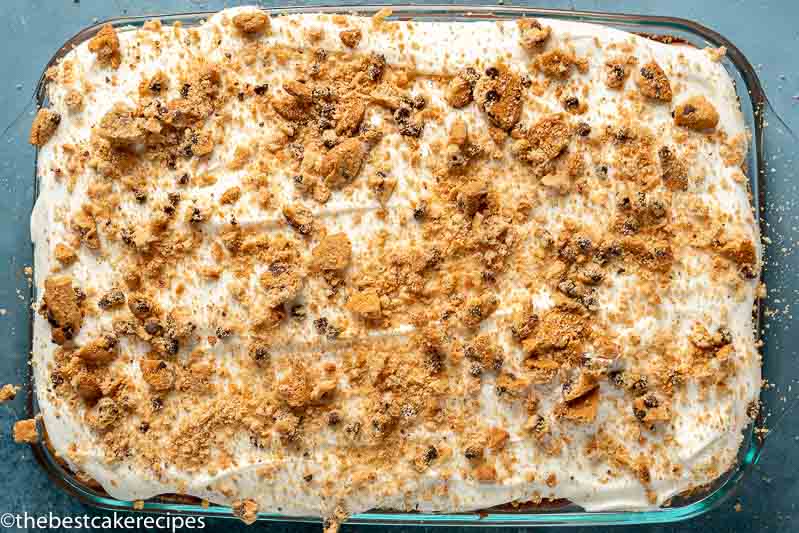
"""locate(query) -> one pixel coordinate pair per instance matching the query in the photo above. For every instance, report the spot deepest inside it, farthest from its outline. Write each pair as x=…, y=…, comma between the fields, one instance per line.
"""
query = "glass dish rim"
x=725, y=484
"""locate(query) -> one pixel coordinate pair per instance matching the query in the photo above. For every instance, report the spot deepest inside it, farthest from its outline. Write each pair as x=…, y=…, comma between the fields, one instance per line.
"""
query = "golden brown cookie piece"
x=8, y=393
x=544, y=141
x=105, y=45
x=252, y=22
x=25, y=431
x=556, y=64
x=230, y=196
x=343, y=163
x=101, y=350
x=696, y=113
x=64, y=254
x=300, y=218
x=673, y=170
x=472, y=197
x=532, y=34
x=351, y=37
x=245, y=510
x=158, y=374
x=44, y=125
x=73, y=100
x=617, y=70
x=499, y=95
x=460, y=88
x=653, y=83
x=61, y=307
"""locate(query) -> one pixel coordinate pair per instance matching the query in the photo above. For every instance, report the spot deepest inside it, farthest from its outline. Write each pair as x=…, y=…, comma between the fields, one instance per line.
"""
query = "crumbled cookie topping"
x=696, y=113
x=44, y=125
x=499, y=93
x=318, y=252
x=105, y=45
x=532, y=34
x=251, y=22
x=25, y=431
x=653, y=83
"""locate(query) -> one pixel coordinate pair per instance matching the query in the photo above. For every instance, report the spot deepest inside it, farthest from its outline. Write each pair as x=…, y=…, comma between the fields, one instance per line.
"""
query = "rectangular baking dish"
x=665, y=29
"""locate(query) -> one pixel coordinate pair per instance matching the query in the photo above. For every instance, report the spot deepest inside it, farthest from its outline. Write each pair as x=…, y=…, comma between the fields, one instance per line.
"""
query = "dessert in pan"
x=318, y=264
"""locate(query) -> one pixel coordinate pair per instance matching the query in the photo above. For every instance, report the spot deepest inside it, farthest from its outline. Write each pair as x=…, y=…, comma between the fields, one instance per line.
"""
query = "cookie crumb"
x=25, y=431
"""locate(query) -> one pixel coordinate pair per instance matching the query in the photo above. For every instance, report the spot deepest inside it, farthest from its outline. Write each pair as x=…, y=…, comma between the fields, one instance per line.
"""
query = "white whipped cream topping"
x=705, y=431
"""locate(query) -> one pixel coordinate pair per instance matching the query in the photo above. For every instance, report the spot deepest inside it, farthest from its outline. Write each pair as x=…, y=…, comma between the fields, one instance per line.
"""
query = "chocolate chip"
x=571, y=103
x=321, y=325
x=583, y=129
x=157, y=404
x=184, y=91
x=430, y=455
x=260, y=90
x=153, y=326
x=420, y=211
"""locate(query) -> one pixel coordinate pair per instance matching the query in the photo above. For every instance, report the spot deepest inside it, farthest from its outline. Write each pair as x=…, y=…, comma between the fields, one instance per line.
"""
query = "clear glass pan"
x=752, y=101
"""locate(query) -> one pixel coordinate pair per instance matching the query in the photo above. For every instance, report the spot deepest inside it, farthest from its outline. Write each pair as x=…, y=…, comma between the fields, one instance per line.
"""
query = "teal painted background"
x=766, y=31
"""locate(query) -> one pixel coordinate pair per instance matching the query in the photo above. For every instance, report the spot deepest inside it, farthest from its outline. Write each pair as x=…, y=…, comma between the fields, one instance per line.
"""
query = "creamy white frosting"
x=706, y=431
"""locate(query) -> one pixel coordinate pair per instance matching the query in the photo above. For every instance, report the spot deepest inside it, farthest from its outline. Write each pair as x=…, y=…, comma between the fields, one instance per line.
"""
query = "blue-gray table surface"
x=766, y=31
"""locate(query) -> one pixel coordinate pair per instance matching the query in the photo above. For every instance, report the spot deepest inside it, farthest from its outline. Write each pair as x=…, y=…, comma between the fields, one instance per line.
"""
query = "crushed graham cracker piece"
x=653, y=83
x=674, y=171
x=44, y=125
x=333, y=252
x=365, y=303
x=382, y=186
x=650, y=410
x=25, y=431
x=105, y=45
x=696, y=113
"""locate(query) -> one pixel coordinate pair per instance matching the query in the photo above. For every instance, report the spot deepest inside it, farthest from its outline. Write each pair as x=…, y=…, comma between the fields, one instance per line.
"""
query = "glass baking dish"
x=559, y=512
